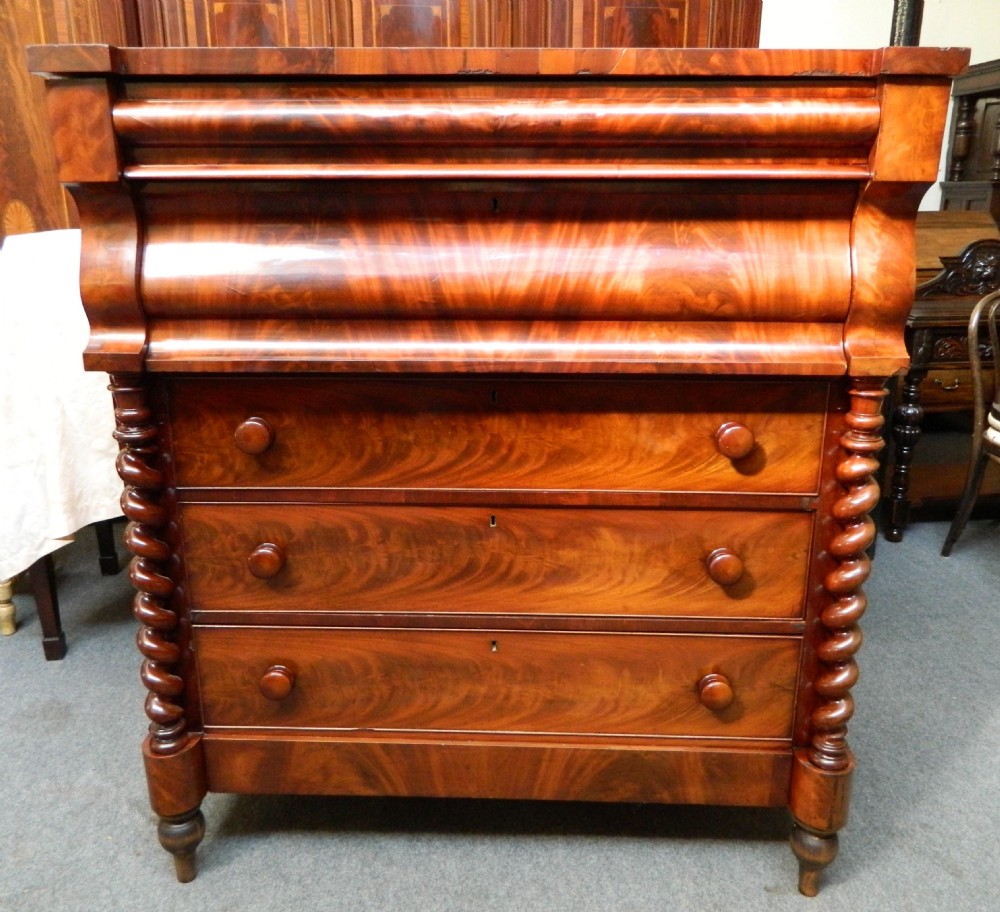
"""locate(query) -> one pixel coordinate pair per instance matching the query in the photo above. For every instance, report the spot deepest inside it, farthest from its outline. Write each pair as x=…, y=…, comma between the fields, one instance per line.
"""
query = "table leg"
x=43, y=583
x=906, y=419
x=8, y=619
x=107, y=555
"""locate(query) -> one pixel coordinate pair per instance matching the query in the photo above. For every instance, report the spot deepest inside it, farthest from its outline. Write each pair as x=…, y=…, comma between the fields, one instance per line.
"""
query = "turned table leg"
x=8, y=618
x=180, y=836
x=906, y=419
x=814, y=852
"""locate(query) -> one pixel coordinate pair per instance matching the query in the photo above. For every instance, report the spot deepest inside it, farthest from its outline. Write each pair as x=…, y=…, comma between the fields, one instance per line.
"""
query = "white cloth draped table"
x=57, y=455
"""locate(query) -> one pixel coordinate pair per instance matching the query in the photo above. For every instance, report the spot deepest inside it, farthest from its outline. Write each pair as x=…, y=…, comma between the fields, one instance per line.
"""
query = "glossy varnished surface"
x=499, y=434
x=483, y=62
x=413, y=23
x=496, y=346
x=371, y=558
x=516, y=584
x=280, y=763
x=511, y=681
x=484, y=193
x=436, y=251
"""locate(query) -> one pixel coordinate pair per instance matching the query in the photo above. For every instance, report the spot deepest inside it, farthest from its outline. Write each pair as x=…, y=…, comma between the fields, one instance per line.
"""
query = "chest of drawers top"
x=610, y=211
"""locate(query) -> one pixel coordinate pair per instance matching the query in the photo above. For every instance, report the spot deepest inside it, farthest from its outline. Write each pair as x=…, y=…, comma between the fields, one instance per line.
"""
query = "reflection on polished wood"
x=515, y=409
x=473, y=559
x=500, y=433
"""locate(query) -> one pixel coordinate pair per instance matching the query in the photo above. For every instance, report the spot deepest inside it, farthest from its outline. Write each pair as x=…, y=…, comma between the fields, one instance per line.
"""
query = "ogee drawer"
x=492, y=681
x=705, y=435
x=712, y=563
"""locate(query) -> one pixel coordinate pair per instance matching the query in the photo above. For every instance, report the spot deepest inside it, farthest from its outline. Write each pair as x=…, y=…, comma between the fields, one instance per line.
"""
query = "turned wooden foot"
x=8, y=620
x=814, y=852
x=180, y=836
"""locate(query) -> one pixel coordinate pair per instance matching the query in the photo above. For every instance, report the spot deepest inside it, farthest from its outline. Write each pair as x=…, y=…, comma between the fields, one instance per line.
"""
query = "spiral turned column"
x=174, y=769
x=138, y=438
x=822, y=772
x=861, y=443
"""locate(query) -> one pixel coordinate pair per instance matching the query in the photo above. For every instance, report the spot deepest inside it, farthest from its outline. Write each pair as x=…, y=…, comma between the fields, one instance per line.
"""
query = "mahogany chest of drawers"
x=499, y=423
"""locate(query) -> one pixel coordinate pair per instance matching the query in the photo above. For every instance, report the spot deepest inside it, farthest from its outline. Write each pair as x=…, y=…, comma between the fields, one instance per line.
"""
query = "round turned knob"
x=724, y=567
x=715, y=692
x=266, y=560
x=254, y=436
x=734, y=440
x=277, y=682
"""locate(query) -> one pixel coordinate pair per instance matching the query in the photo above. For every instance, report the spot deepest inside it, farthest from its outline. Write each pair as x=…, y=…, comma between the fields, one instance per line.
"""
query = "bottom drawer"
x=498, y=681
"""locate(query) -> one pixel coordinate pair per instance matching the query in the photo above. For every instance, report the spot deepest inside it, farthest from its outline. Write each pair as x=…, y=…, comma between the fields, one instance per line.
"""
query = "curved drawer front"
x=537, y=435
x=490, y=681
x=257, y=557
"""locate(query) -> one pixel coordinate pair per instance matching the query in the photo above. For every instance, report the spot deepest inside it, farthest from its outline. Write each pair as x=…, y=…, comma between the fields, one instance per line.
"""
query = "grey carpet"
x=76, y=832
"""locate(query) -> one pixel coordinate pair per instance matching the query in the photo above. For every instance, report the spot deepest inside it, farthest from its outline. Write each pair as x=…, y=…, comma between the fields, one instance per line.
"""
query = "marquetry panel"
x=449, y=23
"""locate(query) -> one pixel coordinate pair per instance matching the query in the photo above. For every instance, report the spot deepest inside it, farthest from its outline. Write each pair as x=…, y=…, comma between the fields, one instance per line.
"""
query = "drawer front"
x=537, y=435
x=943, y=389
x=492, y=681
x=260, y=557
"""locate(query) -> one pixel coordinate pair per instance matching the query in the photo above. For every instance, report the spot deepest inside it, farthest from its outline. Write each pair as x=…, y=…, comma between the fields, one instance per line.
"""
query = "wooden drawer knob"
x=266, y=560
x=724, y=567
x=734, y=440
x=277, y=682
x=715, y=692
x=254, y=436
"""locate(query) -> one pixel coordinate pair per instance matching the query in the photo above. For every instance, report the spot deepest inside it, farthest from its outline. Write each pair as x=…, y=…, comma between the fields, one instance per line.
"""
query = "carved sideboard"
x=939, y=377
x=499, y=423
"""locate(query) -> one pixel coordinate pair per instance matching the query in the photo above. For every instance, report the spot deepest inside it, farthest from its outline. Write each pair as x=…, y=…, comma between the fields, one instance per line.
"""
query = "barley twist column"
x=179, y=832
x=822, y=775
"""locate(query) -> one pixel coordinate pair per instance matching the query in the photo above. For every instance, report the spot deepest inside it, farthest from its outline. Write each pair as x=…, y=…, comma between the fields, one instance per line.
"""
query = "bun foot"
x=814, y=852
x=180, y=836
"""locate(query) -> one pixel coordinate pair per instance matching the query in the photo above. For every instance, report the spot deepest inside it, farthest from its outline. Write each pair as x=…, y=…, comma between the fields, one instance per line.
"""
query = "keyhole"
x=494, y=646
x=493, y=397
x=496, y=206
x=493, y=521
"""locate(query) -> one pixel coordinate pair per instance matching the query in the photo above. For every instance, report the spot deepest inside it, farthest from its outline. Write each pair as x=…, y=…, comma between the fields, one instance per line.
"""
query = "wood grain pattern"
x=450, y=23
x=499, y=434
x=511, y=584
x=441, y=252
x=487, y=559
x=313, y=765
x=30, y=196
x=601, y=347
x=487, y=63
x=510, y=681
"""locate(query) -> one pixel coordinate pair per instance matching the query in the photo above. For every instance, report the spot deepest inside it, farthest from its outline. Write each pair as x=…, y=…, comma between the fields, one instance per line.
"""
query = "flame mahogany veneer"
x=499, y=423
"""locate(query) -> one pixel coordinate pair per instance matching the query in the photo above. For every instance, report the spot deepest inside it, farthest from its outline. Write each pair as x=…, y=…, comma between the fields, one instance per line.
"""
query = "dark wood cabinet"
x=973, y=177
x=499, y=422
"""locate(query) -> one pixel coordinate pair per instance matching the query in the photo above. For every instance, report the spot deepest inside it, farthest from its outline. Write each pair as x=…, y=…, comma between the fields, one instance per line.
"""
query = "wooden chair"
x=986, y=417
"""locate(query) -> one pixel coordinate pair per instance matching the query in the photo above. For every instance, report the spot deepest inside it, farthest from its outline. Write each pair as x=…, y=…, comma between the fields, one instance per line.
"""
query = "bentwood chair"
x=986, y=418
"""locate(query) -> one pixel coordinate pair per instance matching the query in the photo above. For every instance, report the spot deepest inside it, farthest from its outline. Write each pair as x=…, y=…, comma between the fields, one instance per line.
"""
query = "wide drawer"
x=490, y=681
x=366, y=558
x=535, y=435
